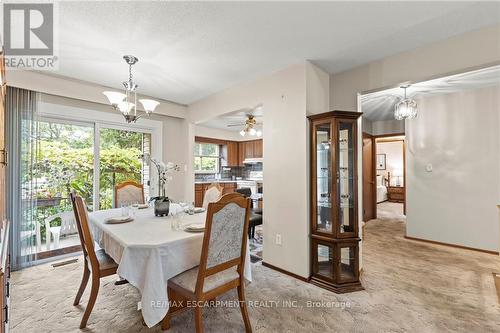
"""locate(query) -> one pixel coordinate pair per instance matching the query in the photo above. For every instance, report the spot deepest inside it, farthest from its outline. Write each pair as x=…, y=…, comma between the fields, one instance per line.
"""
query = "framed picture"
x=380, y=161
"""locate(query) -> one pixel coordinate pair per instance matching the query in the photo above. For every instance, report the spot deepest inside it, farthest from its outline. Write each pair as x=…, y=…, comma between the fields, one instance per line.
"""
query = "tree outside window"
x=206, y=157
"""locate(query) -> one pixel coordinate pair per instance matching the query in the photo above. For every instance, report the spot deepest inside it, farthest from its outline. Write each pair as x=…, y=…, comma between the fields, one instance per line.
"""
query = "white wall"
x=216, y=133
x=384, y=127
x=393, y=151
x=456, y=54
x=80, y=90
x=458, y=134
x=283, y=96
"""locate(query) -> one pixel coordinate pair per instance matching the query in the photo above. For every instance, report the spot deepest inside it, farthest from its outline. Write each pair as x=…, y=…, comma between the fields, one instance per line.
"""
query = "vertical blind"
x=21, y=133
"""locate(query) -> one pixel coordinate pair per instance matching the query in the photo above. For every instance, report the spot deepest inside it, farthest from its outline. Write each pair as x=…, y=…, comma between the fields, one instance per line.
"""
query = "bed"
x=381, y=189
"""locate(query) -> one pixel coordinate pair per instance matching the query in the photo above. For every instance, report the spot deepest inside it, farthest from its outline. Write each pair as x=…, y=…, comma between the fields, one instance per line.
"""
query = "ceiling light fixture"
x=406, y=108
x=249, y=127
x=122, y=101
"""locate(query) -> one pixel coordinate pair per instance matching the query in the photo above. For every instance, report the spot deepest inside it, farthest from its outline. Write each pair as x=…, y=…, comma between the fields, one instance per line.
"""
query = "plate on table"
x=118, y=219
x=140, y=206
x=194, y=227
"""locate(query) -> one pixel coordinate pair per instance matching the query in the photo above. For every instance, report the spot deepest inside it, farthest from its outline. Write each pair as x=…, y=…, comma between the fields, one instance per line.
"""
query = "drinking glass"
x=125, y=209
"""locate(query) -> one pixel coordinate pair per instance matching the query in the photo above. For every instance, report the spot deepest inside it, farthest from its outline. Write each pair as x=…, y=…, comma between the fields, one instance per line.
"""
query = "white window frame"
x=99, y=119
x=202, y=156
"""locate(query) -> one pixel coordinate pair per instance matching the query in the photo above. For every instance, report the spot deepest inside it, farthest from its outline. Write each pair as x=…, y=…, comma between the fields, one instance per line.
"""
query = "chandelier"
x=406, y=108
x=126, y=102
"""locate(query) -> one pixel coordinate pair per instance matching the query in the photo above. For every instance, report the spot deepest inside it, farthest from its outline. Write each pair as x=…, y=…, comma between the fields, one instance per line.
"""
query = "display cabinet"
x=334, y=203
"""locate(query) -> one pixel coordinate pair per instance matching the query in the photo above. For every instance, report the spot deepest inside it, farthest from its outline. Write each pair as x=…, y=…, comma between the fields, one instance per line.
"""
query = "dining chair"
x=96, y=263
x=222, y=262
x=212, y=194
x=256, y=217
x=128, y=192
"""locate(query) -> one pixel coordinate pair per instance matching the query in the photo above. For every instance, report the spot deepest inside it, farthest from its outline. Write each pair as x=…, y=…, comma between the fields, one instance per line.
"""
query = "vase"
x=162, y=206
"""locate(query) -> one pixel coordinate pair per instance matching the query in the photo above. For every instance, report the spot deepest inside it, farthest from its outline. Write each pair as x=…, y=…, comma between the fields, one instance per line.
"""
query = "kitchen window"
x=206, y=157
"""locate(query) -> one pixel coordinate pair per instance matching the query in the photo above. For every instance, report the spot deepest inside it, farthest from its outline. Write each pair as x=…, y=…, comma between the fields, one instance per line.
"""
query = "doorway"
x=384, y=176
x=390, y=175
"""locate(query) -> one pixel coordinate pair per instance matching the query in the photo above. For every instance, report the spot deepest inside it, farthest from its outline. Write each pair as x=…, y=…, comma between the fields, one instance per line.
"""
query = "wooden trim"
x=450, y=245
x=209, y=140
x=336, y=113
x=58, y=252
x=281, y=270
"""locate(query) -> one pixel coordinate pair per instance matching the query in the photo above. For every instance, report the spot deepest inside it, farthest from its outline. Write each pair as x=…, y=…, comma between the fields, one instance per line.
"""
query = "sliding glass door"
x=119, y=160
x=64, y=162
x=89, y=158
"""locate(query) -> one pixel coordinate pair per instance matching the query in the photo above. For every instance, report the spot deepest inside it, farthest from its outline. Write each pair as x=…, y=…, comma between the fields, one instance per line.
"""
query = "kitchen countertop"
x=225, y=181
x=214, y=181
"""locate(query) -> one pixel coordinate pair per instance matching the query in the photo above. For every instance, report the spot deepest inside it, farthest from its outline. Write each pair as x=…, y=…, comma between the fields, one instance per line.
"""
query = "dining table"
x=150, y=250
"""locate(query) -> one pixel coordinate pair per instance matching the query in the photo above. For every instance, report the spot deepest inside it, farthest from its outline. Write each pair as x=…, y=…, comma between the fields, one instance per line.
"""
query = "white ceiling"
x=189, y=50
x=235, y=117
x=380, y=105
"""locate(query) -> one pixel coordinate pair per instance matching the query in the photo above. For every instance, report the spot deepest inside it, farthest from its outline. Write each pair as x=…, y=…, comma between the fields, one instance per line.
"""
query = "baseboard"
x=298, y=277
x=451, y=245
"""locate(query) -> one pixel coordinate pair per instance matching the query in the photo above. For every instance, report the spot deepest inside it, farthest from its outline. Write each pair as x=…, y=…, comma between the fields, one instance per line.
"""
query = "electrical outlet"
x=278, y=239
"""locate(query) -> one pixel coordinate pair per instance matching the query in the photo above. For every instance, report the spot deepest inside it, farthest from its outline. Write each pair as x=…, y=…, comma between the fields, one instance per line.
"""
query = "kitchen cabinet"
x=334, y=201
x=249, y=149
x=232, y=153
x=257, y=148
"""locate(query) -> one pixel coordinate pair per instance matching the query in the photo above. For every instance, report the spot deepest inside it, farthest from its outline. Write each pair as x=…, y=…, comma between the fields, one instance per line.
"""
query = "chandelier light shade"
x=125, y=107
x=126, y=102
x=114, y=97
x=406, y=108
x=149, y=105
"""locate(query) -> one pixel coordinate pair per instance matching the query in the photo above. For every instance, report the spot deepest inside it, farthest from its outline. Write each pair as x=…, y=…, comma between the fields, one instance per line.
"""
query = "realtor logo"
x=28, y=32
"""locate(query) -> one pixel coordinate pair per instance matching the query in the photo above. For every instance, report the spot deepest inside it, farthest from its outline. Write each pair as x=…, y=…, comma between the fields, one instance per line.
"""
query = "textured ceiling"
x=189, y=50
x=380, y=105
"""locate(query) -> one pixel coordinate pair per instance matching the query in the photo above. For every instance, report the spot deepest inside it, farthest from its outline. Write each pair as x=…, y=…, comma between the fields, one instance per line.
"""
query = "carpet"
x=410, y=286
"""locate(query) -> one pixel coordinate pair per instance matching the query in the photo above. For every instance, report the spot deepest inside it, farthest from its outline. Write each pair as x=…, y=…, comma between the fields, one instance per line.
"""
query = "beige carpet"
x=410, y=287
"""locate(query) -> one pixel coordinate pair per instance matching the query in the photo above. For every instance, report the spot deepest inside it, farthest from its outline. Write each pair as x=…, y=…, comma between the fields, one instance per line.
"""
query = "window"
x=206, y=157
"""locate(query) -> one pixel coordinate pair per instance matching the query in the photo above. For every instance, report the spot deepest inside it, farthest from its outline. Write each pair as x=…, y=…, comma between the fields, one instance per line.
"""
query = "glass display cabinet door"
x=323, y=260
x=323, y=171
x=345, y=179
x=347, y=267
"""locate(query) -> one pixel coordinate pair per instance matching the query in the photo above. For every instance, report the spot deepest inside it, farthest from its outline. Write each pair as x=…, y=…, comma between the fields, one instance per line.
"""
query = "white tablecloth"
x=149, y=253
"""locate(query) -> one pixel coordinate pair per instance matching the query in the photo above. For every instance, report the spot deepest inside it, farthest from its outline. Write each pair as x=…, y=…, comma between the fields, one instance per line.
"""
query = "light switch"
x=428, y=167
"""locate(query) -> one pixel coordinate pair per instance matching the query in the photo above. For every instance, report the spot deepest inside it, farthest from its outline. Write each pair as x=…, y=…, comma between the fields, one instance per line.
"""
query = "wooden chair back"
x=128, y=191
x=73, y=195
x=85, y=235
x=212, y=194
x=225, y=238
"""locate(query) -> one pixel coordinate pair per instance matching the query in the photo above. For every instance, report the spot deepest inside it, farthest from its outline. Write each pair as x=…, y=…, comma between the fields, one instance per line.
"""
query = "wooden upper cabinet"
x=257, y=148
x=249, y=149
x=232, y=153
x=241, y=153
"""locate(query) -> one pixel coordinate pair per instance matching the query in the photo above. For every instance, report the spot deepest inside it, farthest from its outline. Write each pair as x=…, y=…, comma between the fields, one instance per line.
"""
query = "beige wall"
x=458, y=134
x=393, y=160
x=283, y=96
x=476, y=48
x=221, y=134
x=80, y=90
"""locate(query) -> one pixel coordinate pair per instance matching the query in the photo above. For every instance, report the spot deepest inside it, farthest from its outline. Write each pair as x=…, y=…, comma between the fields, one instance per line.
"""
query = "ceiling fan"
x=249, y=126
